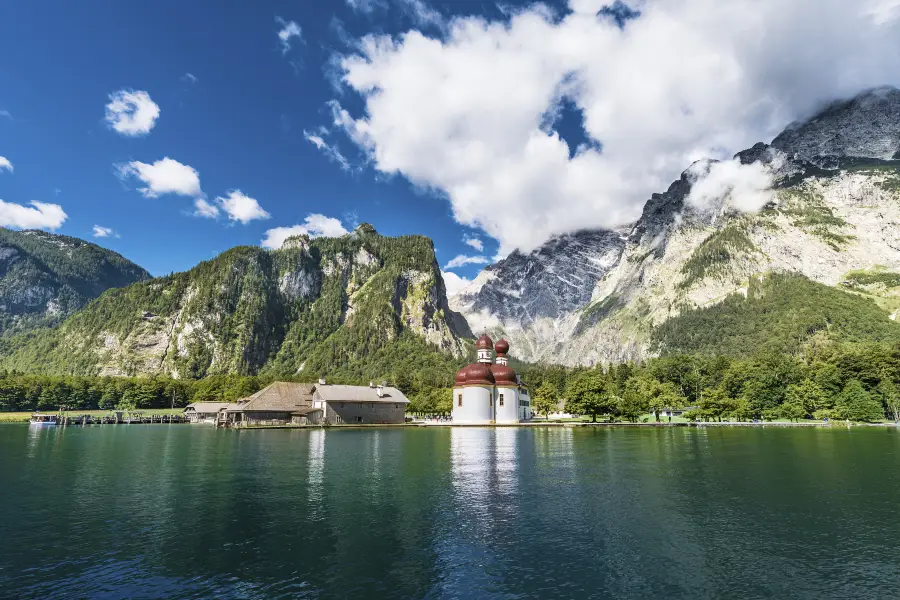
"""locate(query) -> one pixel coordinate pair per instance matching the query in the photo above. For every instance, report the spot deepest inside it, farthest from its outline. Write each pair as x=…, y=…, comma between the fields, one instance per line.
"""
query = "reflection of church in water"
x=488, y=392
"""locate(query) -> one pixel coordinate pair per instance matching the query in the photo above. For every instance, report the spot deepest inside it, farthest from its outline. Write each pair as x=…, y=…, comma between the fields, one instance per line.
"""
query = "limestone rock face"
x=45, y=277
x=835, y=209
x=305, y=305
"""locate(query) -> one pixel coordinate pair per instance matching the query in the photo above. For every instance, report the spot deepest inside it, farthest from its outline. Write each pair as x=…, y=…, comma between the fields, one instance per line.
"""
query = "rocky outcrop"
x=835, y=209
x=45, y=277
x=250, y=310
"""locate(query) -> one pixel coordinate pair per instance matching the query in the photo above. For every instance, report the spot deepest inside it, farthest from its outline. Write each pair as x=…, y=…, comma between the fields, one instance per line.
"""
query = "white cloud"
x=240, y=207
x=5, y=164
x=189, y=77
x=102, y=232
x=417, y=10
x=467, y=114
x=474, y=242
x=454, y=282
x=289, y=29
x=329, y=150
x=39, y=215
x=165, y=176
x=315, y=225
x=745, y=187
x=6, y=113
x=202, y=208
x=131, y=112
x=462, y=260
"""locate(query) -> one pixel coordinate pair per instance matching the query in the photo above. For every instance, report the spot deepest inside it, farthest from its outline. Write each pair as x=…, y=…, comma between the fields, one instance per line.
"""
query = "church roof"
x=484, y=343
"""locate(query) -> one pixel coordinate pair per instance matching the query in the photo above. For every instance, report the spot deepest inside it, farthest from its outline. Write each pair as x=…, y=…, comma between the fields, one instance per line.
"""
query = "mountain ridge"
x=834, y=210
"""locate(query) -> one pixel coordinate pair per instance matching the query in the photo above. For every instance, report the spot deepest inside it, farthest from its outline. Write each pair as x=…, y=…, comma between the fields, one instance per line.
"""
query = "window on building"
x=459, y=400
x=359, y=419
x=501, y=399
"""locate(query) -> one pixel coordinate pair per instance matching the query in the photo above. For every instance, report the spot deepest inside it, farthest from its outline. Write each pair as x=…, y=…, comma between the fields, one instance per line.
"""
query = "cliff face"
x=834, y=213
x=303, y=306
x=46, y=277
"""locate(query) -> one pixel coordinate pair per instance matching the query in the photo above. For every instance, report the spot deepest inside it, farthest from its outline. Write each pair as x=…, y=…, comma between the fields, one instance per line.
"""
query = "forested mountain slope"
x=703, y=276
x=45, y=277
x=313, y=307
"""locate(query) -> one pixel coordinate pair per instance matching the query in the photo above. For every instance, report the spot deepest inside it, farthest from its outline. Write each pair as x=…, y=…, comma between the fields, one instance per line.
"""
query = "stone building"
x=348, y=404
x=488, y=392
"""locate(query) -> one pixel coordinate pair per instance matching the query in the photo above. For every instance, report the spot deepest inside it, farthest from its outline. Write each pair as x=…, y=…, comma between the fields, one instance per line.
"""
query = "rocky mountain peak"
x=866, y=126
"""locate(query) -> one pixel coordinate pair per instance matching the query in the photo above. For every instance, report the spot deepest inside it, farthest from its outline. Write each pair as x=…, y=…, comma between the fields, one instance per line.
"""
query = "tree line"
x=858, y=382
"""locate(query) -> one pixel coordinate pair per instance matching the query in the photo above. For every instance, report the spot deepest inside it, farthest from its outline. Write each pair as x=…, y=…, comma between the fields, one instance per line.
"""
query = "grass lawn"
x=21, y=417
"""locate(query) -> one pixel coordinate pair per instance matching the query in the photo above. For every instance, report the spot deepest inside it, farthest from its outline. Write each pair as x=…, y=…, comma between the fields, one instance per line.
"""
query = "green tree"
x=890, y=397
x=806, y=397
x=588, y=394
x=856, y=404
x=545, y=399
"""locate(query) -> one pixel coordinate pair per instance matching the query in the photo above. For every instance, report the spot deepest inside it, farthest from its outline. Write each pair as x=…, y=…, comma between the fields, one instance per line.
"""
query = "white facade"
x=482, y=400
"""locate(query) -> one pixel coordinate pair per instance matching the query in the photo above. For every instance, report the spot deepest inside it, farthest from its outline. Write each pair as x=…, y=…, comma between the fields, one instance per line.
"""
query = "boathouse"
x=348, y=404
x=281, y=403
x=204, y=412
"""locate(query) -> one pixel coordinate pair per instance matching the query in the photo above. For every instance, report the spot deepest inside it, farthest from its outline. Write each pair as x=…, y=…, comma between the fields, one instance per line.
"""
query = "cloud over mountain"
x=472, y=114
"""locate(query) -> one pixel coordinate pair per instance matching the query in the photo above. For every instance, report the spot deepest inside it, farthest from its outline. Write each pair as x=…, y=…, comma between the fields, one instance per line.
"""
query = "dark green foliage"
x=328, y=306
x=862, y=279
x=596, y=312
x=711, y=258
x=856, y=404
x=780, y=313
x=37, y=268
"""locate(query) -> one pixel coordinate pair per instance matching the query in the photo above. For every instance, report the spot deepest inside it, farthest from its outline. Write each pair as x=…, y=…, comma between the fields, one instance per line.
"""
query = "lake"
x=180, y=511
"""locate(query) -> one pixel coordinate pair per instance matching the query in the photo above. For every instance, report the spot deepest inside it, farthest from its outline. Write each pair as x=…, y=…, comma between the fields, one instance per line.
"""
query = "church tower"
x=486, y=392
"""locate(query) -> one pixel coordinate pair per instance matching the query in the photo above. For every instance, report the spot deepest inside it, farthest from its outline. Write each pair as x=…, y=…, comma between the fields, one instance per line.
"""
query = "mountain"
x=313, y=307
x=821, y=260
x=46, y=277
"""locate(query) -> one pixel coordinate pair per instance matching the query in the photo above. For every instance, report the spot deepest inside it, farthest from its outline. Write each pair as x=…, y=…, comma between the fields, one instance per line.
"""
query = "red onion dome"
x=502, y=347
x=484, y=343
x=504, y=375
x=475, y=374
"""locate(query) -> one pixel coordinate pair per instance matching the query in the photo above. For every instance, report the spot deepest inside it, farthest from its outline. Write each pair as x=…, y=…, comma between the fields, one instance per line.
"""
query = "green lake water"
x=180, y=511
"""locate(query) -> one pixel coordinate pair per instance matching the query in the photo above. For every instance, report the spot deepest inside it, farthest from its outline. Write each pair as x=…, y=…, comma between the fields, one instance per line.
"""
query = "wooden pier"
x=120, y=418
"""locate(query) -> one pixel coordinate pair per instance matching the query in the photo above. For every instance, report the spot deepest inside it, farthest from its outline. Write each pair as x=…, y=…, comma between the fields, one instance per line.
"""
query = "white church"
x=487, y=392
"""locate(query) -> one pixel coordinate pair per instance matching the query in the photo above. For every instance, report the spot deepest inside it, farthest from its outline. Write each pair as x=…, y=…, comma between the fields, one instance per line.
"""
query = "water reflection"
x=192, y=512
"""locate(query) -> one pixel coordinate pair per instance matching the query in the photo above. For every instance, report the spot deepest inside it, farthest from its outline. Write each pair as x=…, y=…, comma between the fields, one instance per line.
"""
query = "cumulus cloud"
x=461, y=260
x=240, y=207
x=39, y=215
x=454, y=283
x=289, y=29
x=205, y=209
x=165, y=176
x=131, y=112
x=5, y=164
x=329, y=150
x=102, y=232
x=474, y=242
x=729, y=183
x=467, y=114
x=315, y=225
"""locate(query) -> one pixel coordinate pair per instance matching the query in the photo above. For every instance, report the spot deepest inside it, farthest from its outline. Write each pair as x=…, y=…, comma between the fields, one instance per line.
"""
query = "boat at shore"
x=43, y=420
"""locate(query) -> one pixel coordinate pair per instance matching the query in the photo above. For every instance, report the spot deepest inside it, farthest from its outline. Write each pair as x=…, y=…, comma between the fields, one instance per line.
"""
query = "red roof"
x=504, y=375
x=475, y=374
x=502, y=347
x=484, y=343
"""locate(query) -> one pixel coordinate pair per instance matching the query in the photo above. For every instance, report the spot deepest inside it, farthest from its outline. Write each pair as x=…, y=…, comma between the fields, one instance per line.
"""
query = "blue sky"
x=504, y=123
x=240, y=123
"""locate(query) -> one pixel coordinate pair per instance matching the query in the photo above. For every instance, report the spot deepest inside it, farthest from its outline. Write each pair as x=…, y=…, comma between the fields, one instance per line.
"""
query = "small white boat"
x=42, y=420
